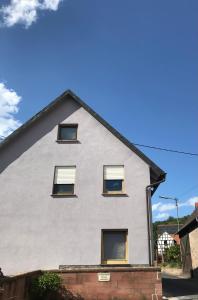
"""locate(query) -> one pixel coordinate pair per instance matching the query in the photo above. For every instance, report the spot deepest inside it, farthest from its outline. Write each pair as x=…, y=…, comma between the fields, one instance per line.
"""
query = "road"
x=174, y=286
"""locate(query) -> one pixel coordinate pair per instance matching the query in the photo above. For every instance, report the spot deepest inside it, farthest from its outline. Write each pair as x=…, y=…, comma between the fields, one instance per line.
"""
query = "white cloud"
x=162, y=208
x=162, y=216
x=25, y=11
x=9, y=101
x=156, y=206
x=50, y=4
x=190, y=202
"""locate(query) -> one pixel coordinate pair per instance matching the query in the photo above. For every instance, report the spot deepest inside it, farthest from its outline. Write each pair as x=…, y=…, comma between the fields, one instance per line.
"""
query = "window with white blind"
x=114, y=247
x=113, y=179
x=64, y=180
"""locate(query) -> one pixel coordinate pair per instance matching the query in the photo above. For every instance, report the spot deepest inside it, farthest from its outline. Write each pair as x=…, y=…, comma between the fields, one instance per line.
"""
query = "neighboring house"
x=167, y=237
x=73, y=192
x=189, y=243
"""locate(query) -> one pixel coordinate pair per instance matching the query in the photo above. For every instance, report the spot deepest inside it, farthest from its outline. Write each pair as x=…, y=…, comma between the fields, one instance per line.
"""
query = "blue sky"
x=134, y=62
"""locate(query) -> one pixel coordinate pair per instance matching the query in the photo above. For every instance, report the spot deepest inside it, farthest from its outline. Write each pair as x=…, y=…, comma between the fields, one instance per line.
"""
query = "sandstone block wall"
x=135, y=284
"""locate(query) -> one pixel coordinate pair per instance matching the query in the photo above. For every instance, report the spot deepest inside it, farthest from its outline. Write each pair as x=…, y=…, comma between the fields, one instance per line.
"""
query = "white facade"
x=164, y=241
x=39, y=231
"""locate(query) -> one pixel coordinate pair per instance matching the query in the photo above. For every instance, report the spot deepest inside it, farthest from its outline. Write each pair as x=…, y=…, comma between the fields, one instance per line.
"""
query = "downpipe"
x=150, y=189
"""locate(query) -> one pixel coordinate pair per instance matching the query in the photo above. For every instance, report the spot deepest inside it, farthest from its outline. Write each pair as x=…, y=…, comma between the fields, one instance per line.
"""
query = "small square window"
x=114, y=246
x=113, y=179
x=67, y=132
x=64, y=180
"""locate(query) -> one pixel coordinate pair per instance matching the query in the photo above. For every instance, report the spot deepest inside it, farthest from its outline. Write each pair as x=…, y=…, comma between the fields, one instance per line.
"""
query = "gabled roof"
x=156, y=173
x=165, y=234
x=169, y=228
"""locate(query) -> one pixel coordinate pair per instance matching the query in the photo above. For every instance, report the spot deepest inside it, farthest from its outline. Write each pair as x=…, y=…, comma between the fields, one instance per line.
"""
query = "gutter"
x=150, y=189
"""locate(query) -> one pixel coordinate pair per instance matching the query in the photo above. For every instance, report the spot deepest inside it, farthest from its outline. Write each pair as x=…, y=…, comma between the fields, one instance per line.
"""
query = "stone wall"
x=16, y=287
x=124, y=283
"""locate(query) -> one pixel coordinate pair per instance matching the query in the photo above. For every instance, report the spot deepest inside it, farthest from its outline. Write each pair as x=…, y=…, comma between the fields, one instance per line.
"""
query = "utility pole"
x=177, y=207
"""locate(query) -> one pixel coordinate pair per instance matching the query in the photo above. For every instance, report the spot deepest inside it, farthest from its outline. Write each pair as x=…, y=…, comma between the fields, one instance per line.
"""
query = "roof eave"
x=191, y=224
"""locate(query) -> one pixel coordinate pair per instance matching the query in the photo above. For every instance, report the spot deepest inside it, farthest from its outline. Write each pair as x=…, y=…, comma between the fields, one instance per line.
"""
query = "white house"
x=164, y=241
x=73, y=191
x=167, y=237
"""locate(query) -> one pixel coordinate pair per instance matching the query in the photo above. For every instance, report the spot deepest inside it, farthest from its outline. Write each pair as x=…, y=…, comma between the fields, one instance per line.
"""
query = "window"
x=64, y=180
x=114, y=246
x=113, y=179
x=67, y=132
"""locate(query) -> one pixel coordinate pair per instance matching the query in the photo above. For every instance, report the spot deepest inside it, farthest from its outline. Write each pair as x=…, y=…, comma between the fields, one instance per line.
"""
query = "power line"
x=189, y=190
x=152, y=147
x=165, y=149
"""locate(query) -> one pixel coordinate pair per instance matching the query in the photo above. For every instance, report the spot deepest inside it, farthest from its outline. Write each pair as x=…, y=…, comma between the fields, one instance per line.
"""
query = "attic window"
x=67, y=132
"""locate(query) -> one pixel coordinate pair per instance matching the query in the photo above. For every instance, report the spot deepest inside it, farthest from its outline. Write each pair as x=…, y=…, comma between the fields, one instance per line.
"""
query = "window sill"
x=64, y=196
x=67, y=141
x=115, y=195
x=116, y=262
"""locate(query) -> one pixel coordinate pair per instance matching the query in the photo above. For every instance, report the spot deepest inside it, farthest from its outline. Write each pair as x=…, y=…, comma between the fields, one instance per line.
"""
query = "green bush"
x=172, y=255
x=48, y=283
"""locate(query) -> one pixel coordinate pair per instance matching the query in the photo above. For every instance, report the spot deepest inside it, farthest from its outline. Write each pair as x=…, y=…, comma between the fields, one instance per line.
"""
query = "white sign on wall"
x=104, y=276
